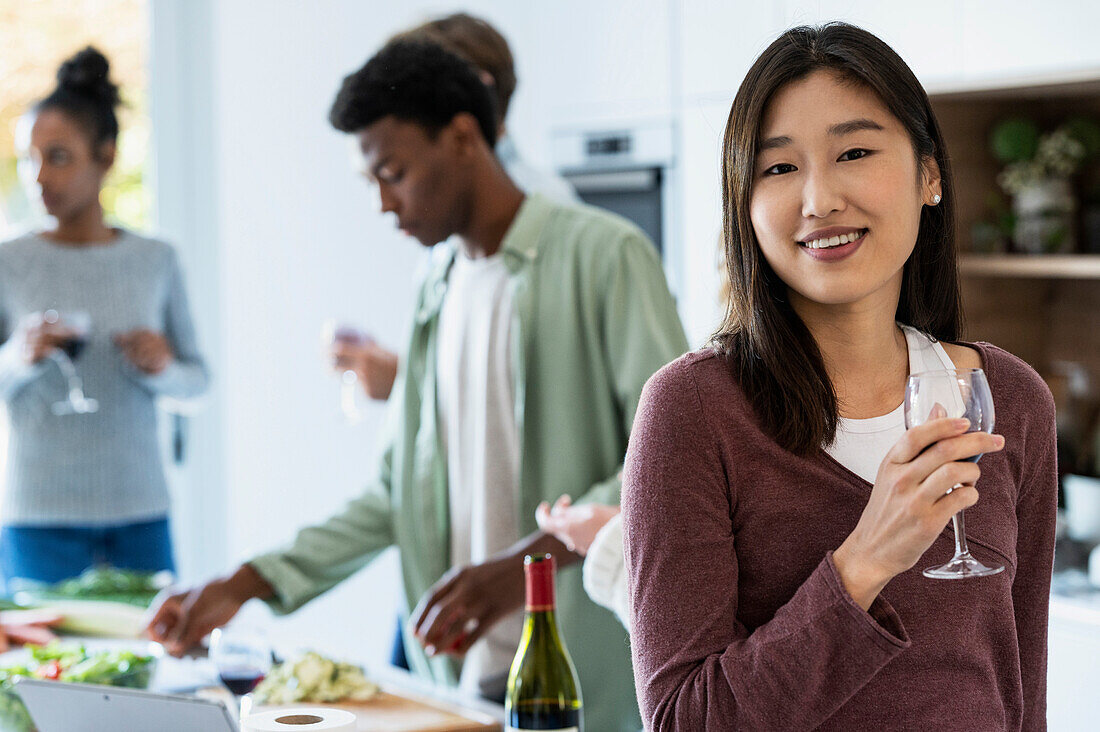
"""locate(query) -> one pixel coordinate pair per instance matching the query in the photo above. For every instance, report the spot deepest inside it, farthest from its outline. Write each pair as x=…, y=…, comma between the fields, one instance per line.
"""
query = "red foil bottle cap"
x=539, y=571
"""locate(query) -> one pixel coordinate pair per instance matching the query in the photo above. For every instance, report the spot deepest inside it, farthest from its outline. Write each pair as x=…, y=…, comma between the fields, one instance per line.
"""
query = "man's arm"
x=641, y=333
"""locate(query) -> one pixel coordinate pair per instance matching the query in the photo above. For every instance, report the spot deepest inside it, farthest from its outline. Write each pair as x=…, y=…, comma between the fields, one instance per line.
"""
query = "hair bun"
x=86, y=73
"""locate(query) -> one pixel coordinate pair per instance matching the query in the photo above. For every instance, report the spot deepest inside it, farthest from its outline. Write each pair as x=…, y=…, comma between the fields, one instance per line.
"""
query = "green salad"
x=105, y=583
x=314, y=678
x=61, y=661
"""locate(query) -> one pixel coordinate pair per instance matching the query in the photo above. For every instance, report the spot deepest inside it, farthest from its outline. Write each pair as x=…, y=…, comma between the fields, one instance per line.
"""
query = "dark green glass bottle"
x=543, y=692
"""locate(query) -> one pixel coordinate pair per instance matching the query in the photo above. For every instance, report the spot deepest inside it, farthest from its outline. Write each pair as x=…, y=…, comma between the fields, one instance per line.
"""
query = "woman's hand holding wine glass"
x=921, y=484
x=43, y=333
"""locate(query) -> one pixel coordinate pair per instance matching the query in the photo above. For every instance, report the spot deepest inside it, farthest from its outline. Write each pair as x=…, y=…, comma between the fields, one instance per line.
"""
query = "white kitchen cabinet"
x=702, y=128
x=1014, y=38
x=719, y=39
x=928, y=35
x=968, y=44
x=1073, y=665
x=718, y=42
x=599, y=61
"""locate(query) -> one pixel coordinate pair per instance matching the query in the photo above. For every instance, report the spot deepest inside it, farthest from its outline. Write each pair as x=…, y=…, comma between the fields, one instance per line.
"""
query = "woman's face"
x=58, y=164
x=836, y=196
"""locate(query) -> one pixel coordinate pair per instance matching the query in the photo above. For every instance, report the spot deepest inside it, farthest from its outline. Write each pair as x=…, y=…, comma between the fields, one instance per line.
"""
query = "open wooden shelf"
x=1046, y=266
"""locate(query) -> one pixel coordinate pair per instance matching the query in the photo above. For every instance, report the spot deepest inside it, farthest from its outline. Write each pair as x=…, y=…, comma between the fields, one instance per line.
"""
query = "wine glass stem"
x=347, y=396
x=76, y=388
x=961, y=549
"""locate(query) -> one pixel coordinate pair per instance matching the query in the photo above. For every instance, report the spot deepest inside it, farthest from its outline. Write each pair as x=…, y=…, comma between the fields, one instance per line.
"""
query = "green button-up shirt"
x=593, y=321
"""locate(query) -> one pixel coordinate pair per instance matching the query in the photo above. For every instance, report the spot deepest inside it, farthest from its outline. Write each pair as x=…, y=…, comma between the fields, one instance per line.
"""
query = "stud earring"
x=936, y=198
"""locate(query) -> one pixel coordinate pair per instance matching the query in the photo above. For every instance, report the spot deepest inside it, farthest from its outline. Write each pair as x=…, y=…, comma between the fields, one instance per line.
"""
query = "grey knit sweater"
x=102, y=468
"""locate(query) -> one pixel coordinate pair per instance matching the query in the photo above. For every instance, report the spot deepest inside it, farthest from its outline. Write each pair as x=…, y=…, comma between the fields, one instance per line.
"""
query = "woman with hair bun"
x=777, y=515
x=85, y=484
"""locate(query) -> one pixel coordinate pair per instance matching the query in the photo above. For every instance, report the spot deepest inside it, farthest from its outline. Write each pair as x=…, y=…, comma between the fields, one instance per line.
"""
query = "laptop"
x=56, y=706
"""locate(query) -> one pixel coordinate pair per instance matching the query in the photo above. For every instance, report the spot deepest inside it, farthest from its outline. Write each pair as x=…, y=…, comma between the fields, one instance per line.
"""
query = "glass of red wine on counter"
x=242, y=658
x=80, y=323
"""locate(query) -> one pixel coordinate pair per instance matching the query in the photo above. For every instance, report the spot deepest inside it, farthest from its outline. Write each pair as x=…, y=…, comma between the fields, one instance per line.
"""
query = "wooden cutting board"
x=397, y=712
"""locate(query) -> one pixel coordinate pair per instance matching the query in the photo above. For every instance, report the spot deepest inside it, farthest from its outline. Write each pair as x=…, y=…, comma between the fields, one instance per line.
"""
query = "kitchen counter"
x=1073, y=660
x=195, y=674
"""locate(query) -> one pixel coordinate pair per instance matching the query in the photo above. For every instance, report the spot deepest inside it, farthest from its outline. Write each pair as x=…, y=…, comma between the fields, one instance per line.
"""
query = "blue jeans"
x=53, y=553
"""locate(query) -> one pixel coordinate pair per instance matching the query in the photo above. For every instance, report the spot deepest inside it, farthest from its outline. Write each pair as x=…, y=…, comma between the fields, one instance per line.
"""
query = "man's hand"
x=184, y=619
x=461, y=607
x=147, y=350
x=375, y=367
x=466, y=602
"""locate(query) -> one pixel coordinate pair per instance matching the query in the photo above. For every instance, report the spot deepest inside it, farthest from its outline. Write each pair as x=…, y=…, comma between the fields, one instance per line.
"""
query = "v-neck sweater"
x=739, y=618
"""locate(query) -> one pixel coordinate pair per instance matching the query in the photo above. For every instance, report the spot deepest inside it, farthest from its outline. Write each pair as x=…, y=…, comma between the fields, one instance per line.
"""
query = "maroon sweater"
x=740, y=620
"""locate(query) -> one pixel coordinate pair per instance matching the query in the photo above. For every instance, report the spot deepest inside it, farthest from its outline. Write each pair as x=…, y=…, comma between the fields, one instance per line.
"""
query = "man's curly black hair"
x=415, y=81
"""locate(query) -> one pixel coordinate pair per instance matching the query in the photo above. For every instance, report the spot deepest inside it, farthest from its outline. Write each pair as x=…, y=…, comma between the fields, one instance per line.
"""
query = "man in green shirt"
x=532, y=338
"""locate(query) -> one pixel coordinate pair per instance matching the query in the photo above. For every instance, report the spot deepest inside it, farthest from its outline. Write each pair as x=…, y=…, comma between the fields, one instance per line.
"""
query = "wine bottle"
x=543, y=692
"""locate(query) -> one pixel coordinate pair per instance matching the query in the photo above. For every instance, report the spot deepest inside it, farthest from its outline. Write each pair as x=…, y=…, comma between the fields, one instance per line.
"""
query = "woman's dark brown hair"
x=772, y=353
x=86, y=94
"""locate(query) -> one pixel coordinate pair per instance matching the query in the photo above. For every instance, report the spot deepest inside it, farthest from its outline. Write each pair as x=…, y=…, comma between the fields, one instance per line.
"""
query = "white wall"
x=278, y=233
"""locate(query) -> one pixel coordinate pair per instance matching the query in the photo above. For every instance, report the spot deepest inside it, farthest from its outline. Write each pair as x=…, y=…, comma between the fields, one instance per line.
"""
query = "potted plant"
x=1038, y=173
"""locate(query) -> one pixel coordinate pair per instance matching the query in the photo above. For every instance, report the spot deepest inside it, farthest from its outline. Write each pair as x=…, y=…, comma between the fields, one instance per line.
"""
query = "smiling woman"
x=774, y=505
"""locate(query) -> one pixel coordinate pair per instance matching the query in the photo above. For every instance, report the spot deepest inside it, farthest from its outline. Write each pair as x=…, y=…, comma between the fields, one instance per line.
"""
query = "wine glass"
x=335, y=332
x=953, y=393
x=80, y=323
x=242, y=657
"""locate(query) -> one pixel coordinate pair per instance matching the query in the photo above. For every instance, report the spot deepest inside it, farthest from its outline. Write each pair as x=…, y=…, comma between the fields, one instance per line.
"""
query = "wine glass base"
x=84, y=406
x=963, y=567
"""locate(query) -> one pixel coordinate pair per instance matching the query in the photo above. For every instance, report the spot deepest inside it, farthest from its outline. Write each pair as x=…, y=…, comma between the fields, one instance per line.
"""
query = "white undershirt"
x=476, y=408
x=862, y=444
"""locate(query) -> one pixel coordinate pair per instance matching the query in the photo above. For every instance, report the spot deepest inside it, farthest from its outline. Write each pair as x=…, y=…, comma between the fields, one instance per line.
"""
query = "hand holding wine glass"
x=961, y=394
x=45, y=332
x=61, y=336
x=924, y=480
x=339, y=339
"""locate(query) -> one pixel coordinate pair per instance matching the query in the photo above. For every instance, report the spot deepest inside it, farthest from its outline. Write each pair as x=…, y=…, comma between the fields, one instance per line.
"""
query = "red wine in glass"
x=241, y=680
x=74, y=346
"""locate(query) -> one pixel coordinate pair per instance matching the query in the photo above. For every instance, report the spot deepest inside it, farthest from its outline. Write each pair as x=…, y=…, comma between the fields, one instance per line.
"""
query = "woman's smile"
x=833, y=244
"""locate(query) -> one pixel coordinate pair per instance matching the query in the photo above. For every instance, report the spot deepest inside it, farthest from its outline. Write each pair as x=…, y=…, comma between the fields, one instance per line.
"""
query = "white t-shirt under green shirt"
x=476, y=407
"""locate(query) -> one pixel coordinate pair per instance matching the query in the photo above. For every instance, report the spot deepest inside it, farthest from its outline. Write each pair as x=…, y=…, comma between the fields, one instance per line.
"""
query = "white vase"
x=1045, y=217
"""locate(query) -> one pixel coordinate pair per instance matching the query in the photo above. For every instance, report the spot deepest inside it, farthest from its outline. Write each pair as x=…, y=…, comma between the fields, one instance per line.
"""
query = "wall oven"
x=624, y=169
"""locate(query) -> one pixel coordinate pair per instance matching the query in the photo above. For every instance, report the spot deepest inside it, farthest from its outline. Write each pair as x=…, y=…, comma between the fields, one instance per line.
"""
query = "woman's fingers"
x=960, y=498
x=916, y=440
x=944, y=479
x=954, y=449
